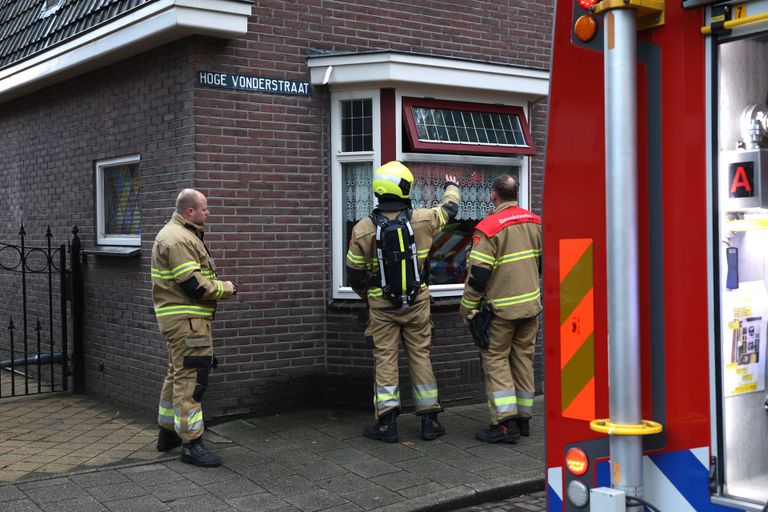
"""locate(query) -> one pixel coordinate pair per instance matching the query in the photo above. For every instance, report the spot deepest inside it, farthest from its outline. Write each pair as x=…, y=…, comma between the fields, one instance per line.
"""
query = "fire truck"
x=655, y=223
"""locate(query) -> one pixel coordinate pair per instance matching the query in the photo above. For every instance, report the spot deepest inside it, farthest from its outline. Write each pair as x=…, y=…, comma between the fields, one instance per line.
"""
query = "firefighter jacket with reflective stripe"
x=508, y=245
x=426, y=222
x=179, y=255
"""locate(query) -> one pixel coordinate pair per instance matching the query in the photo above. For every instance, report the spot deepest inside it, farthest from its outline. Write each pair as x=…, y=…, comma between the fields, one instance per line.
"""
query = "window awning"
x=383, y=69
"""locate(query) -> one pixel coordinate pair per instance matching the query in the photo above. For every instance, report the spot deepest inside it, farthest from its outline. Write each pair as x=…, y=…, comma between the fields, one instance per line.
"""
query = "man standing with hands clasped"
x=185, y=290
x=504, y=272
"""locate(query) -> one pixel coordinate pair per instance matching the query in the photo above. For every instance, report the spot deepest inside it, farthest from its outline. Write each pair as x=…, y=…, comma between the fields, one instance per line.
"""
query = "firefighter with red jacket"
x=407, y=315
x=184, y=294
x=504, y=269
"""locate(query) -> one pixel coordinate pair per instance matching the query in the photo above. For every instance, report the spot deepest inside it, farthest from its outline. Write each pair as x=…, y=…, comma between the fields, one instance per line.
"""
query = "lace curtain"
x=475, y=182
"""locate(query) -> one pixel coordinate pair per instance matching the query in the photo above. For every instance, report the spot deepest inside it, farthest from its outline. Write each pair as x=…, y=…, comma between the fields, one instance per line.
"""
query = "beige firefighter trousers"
x=414, y=326
x=508, y=367
x=190, y=357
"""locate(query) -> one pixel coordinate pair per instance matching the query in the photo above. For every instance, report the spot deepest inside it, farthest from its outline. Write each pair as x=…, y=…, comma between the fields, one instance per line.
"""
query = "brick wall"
x=139, y=106
x=263, y=162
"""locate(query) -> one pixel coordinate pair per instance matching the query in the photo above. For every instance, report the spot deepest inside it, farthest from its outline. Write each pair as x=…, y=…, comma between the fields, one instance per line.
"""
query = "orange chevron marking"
x=583, y=406
x=577, y=328
x=570, y=251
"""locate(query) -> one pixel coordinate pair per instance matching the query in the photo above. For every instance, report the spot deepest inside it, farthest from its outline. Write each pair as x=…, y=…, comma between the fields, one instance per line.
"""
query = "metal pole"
x=622, y=246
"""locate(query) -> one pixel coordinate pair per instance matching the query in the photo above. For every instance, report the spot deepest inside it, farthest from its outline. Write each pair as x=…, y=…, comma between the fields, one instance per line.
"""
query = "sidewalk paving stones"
x=310, y=460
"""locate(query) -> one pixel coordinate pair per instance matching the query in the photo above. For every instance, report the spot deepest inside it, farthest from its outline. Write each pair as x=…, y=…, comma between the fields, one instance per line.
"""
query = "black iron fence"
x=40, y=296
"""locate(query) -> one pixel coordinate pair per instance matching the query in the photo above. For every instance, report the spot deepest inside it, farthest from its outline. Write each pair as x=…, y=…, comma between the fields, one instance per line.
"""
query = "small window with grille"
x=356, y=125
x=437, y=126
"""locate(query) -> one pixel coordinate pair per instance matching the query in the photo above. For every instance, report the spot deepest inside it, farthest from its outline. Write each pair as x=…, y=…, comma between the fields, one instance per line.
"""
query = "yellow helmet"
x=392, y=178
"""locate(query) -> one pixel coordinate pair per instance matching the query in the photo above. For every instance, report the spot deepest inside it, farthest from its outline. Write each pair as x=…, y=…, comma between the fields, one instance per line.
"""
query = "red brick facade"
x=263, y=162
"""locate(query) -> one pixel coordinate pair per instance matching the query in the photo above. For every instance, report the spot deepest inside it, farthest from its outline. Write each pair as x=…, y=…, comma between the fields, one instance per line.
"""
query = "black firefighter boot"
x=505, y=432
x=430, y=427
x=195, y=453
x=167, y=440
x=385, y=429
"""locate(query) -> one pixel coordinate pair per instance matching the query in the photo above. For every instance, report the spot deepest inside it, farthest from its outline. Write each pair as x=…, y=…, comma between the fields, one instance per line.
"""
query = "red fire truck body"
x=701, y=268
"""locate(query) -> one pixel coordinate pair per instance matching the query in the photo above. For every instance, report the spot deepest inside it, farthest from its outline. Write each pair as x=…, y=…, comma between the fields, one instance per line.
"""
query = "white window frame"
x=337, y=159
x=101, y=237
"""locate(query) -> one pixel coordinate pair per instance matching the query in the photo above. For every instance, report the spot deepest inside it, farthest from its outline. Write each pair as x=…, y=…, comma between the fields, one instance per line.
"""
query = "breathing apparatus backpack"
x=397, y=260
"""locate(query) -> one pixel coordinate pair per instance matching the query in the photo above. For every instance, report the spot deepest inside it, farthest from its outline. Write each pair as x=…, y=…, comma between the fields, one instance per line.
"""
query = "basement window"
x=439, y=126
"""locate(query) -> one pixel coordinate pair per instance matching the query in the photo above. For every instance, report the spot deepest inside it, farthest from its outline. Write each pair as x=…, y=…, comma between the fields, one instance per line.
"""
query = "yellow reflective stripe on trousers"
x=184, y=310
x=375, y=292
x=165, y=413
x=517, y=299
x=388, y=396
x=422, y=253
x=425, y=394
x=195, y=420
x=505, y=401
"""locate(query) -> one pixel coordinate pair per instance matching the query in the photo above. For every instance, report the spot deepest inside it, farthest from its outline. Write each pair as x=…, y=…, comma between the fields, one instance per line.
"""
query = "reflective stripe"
x=219, y=289
x=185, y=267
x=161, y=274
x=176, y=272
x=177, y=420
x=354, y=258
x=524, y=401
x=375, y=292
x=517, y=256
x=388, y=396
x=209, y=274
x=195, y=421
x=442, y=217
x=505, y=401
x=184, y=310
x=422, y=253
x=165, y=413
x=517, y=299
x=425, y=394
x=474, y=254
x=470, y=304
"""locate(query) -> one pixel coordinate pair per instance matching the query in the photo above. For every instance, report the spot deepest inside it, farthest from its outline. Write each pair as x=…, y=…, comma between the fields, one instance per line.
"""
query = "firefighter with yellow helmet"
x=385, y=267
x=185, y=290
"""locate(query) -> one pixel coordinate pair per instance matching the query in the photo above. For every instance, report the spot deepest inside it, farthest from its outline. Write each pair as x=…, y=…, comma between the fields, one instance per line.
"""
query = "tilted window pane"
x=468, y=127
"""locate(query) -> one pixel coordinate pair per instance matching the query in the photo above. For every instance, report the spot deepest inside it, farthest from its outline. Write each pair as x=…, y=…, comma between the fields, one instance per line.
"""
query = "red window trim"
x=436, y=147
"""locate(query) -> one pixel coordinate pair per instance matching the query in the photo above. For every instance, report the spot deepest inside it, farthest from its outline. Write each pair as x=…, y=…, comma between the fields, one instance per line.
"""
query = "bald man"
x=185, y=290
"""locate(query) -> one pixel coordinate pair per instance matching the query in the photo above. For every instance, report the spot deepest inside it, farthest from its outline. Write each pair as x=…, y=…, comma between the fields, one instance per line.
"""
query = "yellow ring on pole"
x=604, y=426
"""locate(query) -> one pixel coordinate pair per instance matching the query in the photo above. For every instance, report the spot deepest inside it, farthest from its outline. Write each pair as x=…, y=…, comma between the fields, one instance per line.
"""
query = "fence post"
x=78, y=358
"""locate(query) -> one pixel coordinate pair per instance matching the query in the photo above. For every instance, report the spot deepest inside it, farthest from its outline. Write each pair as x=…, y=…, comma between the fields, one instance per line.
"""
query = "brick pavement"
x=304, y=461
